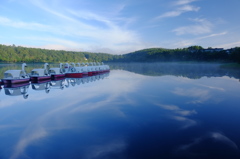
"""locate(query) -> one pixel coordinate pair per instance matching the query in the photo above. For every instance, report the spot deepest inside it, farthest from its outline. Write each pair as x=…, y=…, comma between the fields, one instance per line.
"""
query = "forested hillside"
x=22, y=54
x=193, y=53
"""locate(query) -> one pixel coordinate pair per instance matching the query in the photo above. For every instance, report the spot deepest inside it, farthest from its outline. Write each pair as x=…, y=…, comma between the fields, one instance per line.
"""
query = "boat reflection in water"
x=58, y=83
x=78, y=81
x=47, y=85
x=17, y=90
x=70, y=81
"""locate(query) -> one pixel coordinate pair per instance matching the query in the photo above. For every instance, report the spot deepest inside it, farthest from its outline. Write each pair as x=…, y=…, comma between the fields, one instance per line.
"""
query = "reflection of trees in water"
x=190, y=70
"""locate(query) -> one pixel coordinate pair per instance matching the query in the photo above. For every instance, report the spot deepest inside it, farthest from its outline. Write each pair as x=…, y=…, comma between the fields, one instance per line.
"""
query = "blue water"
x=138, y=111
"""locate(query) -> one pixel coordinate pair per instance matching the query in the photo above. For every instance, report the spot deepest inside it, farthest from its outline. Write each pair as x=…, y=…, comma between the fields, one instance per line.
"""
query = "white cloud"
x=170, y=14
x=229, y=45
x=87, y=15
x=25, y=25
x=85, y=29
x=110, y=37
x=182, y=7
x=180, y=42
x=203, y=26
x=55, y=43
x=213, y=35
x=183, y=2
x=61, y=15
x=189, y=8
x=178, y=11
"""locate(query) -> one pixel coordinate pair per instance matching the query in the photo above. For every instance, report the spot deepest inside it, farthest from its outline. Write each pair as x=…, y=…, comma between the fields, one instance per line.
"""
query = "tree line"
x=14, y=53
x=192, y=53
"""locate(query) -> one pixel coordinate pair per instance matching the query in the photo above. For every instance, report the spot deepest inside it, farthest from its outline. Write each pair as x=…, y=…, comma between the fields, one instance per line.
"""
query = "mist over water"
x=138, y=111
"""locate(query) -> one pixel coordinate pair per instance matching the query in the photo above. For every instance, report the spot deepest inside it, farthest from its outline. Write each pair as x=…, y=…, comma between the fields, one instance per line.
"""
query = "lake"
x=137, y=111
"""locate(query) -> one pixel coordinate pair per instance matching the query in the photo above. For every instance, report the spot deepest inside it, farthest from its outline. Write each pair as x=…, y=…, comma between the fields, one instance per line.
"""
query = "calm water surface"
x=138, y=111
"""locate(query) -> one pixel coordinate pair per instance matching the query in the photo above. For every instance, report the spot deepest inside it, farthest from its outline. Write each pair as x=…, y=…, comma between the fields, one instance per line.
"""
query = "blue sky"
x=119, y=26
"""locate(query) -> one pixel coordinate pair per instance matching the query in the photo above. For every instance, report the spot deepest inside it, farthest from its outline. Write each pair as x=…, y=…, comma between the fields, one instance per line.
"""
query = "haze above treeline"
x=12, y=53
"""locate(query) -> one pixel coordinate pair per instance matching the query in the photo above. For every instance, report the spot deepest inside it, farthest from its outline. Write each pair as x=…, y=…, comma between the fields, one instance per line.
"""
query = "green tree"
x=195, y=47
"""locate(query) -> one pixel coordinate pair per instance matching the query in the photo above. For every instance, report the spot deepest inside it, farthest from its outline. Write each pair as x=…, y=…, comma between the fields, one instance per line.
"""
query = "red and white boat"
x=84, y=69
x=40, y=74
x=71, y=71
x=95, y=68
x=92, y=70
x=89, y=69
x=106, y=68
x=57, y=72
x=100, y=67
x=16, y=76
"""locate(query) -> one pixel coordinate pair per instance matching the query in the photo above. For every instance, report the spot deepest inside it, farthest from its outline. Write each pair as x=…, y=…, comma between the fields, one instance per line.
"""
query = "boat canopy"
x=14, y=74
x=39, y=72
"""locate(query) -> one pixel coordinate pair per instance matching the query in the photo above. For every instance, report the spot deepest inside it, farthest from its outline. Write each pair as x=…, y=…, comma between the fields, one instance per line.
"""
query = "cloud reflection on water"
x=187, y=122
x=222, y=138
x=179, y=115
x=177, y=110
x=88, y=98
x=103, y=151
x=121, y=86
x=218, y=143
x=120, y=114
x=202, y=95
